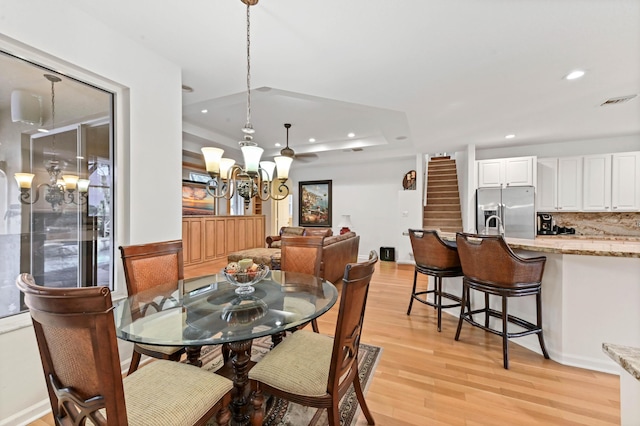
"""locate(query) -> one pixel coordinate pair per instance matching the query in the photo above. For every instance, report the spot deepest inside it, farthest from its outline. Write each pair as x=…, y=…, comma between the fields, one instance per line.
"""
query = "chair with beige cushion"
x=150, y=266
x=304, y=255
x=314, y=369
x=75, y=332
x=492, y=268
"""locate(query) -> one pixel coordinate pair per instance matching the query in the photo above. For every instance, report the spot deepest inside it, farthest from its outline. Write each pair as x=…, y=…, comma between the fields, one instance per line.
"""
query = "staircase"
x=443, y=199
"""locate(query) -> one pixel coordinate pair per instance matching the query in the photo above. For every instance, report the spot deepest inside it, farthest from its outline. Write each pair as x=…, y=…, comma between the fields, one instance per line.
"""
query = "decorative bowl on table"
x=245, y=275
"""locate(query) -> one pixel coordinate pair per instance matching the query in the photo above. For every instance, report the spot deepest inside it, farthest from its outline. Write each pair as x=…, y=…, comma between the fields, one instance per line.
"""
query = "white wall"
x=148, y=153
x=368, y=191
x=565, y=149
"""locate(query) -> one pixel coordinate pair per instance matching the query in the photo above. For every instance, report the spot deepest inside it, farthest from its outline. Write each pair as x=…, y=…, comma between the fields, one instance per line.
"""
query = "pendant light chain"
x=248, y=125
x=53, y=117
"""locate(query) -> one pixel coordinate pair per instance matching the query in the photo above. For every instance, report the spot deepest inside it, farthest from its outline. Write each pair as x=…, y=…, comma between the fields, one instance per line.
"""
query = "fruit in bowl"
x=245, y=274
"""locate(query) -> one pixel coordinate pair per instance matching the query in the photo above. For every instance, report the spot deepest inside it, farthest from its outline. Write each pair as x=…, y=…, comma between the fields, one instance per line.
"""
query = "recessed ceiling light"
x=351, y=135
x=79, y=157
x=510, y=136
x=43, y=130
x=401, y=138
x=312, y=140
x=574, y=75
x=204, y=111
x=187, y=89
x=278, y=145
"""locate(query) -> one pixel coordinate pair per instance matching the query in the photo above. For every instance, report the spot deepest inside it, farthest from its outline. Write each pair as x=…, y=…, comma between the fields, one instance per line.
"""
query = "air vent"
x=619, y=100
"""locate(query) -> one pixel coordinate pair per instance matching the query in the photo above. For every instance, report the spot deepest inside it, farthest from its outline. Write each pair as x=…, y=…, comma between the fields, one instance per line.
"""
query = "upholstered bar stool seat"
x=438, y=259
x=491, y=267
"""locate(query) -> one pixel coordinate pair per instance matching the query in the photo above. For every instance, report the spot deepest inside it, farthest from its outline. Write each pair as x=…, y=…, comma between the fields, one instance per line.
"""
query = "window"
x=53, y=126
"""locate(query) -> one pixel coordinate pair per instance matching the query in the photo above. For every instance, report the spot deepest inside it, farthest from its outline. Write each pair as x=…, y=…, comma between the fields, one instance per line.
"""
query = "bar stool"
x=491, y=267
x=438, y=259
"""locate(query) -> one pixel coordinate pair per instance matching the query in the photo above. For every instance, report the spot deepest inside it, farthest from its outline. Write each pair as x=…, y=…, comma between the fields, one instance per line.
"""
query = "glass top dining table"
x=207, y=311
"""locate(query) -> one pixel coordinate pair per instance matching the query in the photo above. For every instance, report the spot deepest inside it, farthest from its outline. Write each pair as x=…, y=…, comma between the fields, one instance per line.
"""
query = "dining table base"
x=240, y=359
x=193, y=355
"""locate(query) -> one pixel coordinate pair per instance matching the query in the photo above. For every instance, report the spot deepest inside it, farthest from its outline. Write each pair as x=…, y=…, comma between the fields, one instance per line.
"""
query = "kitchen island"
x=590, y=295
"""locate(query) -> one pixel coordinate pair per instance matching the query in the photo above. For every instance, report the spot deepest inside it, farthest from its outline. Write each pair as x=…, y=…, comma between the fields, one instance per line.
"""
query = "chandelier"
x=60, y=189
x=257, y=178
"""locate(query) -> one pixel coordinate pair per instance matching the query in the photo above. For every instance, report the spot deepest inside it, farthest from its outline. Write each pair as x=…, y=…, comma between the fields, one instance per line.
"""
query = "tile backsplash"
x=603, y=224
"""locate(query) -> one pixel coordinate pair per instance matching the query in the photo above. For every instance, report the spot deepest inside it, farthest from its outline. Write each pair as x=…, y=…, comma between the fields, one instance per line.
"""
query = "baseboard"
x=28, y=415
x=531, y=343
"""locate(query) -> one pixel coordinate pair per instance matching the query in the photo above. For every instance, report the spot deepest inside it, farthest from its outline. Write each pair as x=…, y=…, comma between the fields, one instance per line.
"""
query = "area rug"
x=285, y=413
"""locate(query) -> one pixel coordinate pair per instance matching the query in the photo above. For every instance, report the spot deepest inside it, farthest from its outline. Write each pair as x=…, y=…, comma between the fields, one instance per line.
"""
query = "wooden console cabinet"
x=208, y=238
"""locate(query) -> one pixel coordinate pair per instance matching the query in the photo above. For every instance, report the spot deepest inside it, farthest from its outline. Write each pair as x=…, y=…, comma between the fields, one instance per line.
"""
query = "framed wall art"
x=196, y=200
x=315, y=203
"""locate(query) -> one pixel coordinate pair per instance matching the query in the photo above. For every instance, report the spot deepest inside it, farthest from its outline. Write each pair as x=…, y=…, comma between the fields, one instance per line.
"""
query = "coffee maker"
x=546, y=225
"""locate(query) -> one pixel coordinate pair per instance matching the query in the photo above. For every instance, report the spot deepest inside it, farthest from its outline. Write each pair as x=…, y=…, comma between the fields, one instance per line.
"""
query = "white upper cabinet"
x=591, y=183
x=517, y=171
x=547, y=188
x=559, y=185
x=596, y=184
x=625, y=181
x=569, y=184
x=490, y=172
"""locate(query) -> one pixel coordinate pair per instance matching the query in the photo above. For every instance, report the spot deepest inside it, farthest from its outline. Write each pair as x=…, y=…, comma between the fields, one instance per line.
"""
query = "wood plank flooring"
x=427, y=378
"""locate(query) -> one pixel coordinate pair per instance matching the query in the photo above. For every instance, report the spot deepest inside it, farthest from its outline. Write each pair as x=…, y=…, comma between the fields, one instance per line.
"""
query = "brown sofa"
x=338, y=250
x=273, y=241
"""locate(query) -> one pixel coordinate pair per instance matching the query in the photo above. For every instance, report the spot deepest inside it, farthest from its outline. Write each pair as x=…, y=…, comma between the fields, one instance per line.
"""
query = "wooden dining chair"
x=76, y=336
x=314, y=369
x=302, y=254
x=153, y=265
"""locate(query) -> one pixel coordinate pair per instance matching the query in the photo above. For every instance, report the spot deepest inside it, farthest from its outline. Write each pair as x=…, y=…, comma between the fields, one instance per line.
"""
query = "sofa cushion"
x=292, y=230
x=259, y=255
x=318, y=232
x=335, y=238
x=274, y=242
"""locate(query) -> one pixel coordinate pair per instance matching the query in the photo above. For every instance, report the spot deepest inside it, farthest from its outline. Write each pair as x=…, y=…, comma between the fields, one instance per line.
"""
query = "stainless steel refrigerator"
x=514, y=207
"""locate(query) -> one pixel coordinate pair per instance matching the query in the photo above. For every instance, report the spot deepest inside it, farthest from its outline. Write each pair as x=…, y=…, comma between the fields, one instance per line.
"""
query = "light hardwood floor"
x=427, y=378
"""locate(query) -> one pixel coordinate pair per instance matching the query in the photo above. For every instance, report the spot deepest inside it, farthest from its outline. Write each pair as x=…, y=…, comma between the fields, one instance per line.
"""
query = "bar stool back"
x=438, y=259
x=491, y=267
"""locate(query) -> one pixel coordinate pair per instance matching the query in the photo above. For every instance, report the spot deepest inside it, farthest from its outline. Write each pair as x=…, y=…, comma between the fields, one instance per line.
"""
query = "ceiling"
x=413, y=76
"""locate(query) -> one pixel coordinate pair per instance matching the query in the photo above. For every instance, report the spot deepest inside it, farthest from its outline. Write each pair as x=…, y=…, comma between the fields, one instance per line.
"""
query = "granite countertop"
x=582, y=246
x=615, y=246
x=627, y=356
